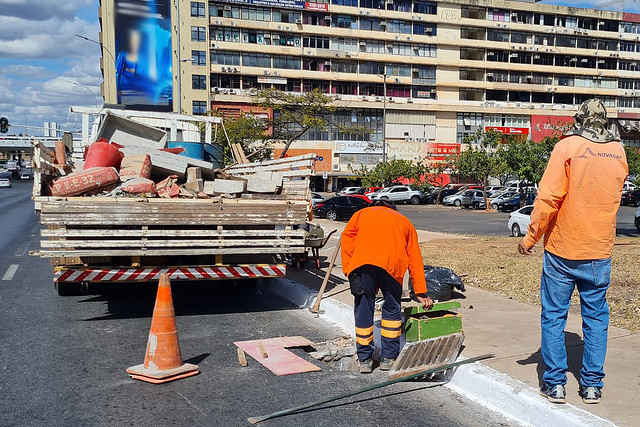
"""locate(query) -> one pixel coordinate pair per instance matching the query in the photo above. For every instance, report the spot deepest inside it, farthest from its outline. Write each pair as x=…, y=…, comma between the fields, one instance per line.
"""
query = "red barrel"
x=103, y=154
x=89, y=180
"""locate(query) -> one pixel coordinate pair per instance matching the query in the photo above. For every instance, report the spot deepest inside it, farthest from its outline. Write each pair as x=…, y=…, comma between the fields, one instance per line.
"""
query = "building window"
x=256, y=60
x=399, y=48
x=372, y=68
x=286, y=16
x=344, y=88
x=228, y=81
x=371, y=89
x=497, y=36
x=564, y=41
x=225, y=58
x=352, y=3
x=286, y=40
x=426, y=50
x=318, y=19
x=424, y=29
x=255, y=13
x=372, y=4
x=319, y=85
x=398, y=26
x=199, y=108
x=344, y=21
x=344, y=66
x=198, y=34
x=224, y=10
x=286, y=62
x=347, y=45
x=427, y=7
x=256, y=37
x=197, y=9
x=473, y=12
x=372, y=46
x=524, y=38
x=198, y=57
x=425, y=75
x=399, y=70
x=498, y=15
x=371, y=24
x=316, y=65
x=626, y=46
x=225, y=34
x=198, y=82
x=316, y=42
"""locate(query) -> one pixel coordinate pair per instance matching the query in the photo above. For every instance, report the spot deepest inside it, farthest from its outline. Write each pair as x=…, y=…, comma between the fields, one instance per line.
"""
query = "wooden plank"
x=173, y=243
x=242, y=358
x=277, y=161
x=257, y=167
x=168, y=233
x=167, y=252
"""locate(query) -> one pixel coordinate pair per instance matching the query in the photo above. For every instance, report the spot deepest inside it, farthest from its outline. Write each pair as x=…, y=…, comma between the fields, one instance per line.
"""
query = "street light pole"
x=99, y=44
x=384, y=118
x=95, y=99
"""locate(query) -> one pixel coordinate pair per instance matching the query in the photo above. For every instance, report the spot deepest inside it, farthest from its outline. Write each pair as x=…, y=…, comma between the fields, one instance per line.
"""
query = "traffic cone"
x=162, y=361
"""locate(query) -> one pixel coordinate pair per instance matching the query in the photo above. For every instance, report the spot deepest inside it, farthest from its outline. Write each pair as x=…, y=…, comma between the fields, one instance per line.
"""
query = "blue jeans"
x=559, y=277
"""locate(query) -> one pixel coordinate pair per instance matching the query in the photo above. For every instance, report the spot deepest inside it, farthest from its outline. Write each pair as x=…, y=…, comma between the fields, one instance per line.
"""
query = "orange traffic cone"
x=162, y=361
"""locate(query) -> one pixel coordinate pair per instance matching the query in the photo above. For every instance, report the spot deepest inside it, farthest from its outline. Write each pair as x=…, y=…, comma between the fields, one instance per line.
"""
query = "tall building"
x=435, y=72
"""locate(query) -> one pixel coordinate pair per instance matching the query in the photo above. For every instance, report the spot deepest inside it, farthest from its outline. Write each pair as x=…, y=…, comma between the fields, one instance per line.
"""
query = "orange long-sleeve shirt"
x=578, y=199
x=385, y=238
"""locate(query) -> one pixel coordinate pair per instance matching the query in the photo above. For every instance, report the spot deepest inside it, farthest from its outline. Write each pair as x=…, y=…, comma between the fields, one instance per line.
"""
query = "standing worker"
x=575, y=210
x=378, y=245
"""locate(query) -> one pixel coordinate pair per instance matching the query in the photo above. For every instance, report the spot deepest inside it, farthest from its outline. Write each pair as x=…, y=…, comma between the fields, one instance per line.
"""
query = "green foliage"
x=247, y=130
x=385, y=174
x=295, y=114
x=633, y=160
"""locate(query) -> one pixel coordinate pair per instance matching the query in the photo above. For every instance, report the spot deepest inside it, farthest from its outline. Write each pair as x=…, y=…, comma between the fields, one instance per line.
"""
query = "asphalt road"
x=63, y=359
x=469, y=221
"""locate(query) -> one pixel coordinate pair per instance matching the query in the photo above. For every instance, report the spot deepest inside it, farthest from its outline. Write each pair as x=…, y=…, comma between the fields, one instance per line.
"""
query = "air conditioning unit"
x=218, y=22
x=327, y=17
x=383, y=23
x=378, y=99
x=266, y=72
x=223, y=69
x=213, y=45
x=233, y=23
x=408, y=38
x=276, y=37
x=327, y=62
x=363, y=97
x=225, y=91
x=235, y=70
x=410, y=100
x=253, y=91
x=347, y=54
x=227, y=7
x=391, y=99
x=215, y=90
x=338, y=96
x=363, y=43
x=232, y=92
x=513, y=55
x=279, y=27
x=299, y=21
x=276, y=73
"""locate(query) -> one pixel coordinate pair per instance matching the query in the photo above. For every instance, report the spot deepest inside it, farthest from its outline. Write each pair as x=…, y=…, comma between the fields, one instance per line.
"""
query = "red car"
x=360, y=196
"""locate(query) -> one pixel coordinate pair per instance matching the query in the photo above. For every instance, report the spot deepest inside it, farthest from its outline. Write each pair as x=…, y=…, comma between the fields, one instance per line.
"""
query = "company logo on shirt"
x=599, y=154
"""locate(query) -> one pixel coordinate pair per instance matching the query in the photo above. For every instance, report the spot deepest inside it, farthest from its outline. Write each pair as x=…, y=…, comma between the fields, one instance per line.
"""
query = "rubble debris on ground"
x=334, y=349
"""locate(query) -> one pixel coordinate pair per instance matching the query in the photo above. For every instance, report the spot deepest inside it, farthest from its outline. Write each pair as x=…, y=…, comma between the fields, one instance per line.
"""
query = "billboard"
x=284, y=4
x=143, y=54
x=507, y=130
x=542, y=126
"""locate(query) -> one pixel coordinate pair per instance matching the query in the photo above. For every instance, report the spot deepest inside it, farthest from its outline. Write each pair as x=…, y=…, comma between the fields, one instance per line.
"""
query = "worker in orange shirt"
x=378, y=246
x=575, y=210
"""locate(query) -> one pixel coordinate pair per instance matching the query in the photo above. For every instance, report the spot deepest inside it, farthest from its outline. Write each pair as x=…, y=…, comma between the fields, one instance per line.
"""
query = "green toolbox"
x=421, y=324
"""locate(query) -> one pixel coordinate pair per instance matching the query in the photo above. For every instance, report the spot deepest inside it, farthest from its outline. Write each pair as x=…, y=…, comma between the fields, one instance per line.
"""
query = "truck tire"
x=414, y=200
x=69, y=289
x=332, y=215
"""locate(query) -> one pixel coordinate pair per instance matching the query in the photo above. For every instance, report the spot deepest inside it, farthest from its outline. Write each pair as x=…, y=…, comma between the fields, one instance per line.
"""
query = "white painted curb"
x=494, y=390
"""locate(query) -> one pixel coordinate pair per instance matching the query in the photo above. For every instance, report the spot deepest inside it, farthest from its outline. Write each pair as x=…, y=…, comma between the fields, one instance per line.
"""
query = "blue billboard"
x=144, y=77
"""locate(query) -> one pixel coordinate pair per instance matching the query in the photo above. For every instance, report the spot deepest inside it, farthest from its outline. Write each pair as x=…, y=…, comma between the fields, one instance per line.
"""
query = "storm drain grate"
x=420, y=356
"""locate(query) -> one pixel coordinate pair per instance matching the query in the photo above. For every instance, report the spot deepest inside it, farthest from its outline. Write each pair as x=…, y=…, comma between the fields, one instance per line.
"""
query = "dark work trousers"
x=365, y=282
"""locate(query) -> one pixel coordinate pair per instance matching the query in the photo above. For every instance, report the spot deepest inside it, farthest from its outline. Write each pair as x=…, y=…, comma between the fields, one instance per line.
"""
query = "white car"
x=317, y=198
x=4, y=182
x=629, y=186
x=454, y=199
x=348, y=190
x=398, y=193
x=519, y=221
x=500, y=197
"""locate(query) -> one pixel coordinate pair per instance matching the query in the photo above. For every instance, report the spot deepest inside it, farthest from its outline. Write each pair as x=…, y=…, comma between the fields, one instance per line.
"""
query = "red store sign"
x=508, y=130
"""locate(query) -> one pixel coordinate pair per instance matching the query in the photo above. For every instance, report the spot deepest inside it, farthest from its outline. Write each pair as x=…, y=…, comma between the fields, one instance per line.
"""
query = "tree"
x=296, y=114
x=384, y=174
x=633, y=160
x=438, y=169
x=247, y=130
x=481, y=160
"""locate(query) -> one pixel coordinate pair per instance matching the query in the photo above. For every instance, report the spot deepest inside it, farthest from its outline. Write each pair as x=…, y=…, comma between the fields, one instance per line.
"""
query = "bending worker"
x=378, y=245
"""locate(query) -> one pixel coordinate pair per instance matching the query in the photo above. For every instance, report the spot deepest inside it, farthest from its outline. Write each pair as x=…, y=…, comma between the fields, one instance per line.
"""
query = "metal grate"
x=423, y=355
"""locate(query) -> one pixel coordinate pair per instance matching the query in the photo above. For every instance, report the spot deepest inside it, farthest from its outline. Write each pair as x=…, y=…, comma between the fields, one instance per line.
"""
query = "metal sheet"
x=423, y=355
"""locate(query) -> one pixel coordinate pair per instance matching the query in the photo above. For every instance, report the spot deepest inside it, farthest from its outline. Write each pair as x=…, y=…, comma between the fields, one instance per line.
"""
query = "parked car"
x=454, y=199
x=360, y=196
x=495, y=188
x=473, y=198
x=513, y=203
x=398, y=194
x=495, y=199
x=26, y=174
x=348, y=190
x=637, y=220
x=370, y=190
x=629, y=186
x=317, y=198
x=339, y=207
x=519, y=221
x=5, y=182
x=630, y=198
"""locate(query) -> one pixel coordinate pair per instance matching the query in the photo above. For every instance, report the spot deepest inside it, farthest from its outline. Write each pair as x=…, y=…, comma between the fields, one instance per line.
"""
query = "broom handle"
x=316, y=306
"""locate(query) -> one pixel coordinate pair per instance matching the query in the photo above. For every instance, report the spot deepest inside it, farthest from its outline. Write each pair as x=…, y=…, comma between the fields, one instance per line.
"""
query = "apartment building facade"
x=432, y=71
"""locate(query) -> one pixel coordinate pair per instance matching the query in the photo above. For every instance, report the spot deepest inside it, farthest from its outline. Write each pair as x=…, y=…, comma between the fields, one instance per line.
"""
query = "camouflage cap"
x=591, y=122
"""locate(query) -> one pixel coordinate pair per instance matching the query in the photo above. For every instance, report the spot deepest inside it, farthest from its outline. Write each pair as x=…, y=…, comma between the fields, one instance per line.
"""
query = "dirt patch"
x=493, y=264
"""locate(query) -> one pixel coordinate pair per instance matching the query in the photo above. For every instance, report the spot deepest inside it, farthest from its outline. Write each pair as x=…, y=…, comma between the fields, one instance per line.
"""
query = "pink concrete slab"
x=280, y=361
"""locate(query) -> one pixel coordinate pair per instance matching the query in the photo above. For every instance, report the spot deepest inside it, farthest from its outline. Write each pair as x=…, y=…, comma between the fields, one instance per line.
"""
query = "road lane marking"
x=22, y=249
x=11, y=271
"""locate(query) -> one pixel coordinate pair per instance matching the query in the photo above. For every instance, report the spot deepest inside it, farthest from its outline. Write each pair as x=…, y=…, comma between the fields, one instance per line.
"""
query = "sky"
x=45, y=68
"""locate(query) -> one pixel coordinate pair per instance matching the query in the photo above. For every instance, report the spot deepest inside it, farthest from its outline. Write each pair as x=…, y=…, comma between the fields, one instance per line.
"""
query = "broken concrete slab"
x=226, y=186
x=130, y=133
x=197, y=185
x=262, y=186
x=208, y=188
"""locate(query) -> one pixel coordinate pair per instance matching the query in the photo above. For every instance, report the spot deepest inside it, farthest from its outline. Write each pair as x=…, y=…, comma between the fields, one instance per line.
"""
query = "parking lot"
x=482, y=223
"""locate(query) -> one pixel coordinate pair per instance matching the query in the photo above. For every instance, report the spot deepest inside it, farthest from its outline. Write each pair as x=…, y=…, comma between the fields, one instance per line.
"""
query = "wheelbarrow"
x=313, y=244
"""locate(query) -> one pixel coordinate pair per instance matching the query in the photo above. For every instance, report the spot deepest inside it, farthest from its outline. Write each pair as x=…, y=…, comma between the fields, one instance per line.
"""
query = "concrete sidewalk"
x=511, y=330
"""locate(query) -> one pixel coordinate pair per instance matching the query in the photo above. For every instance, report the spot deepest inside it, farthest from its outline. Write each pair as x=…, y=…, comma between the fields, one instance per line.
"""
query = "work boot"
x=590, y=395
x=366, y=366
x=386, y=363
x=554, y=393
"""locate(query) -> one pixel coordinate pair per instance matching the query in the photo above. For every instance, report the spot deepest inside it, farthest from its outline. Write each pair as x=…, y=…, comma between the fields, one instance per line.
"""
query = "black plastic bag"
x=440, y=283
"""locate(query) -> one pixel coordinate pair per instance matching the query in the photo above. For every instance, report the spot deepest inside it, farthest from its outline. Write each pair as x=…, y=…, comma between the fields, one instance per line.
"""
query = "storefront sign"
x=440, y=150
x=543, y=126
x=506, y=130
x=284, y=4
x=272, y=80
x=358, y=147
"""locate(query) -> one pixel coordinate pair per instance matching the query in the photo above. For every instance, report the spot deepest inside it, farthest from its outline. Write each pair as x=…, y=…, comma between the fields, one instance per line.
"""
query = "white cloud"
x=26, y=71
x=42, y=10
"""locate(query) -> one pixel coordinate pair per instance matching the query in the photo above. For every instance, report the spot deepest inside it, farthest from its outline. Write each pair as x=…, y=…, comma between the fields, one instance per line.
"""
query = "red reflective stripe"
x=234, y=272
x=65, y=274
x=248, y=270
x=263, y=271
x=100, y=275
x=118, y=275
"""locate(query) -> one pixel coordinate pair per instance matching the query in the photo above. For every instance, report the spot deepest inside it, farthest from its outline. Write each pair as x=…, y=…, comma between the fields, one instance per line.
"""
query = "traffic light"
x=4, y=125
